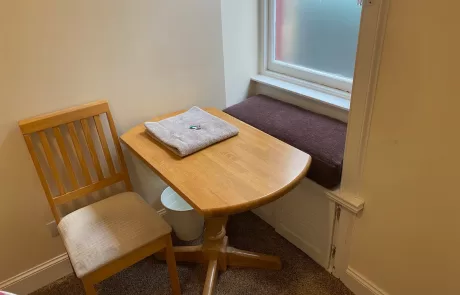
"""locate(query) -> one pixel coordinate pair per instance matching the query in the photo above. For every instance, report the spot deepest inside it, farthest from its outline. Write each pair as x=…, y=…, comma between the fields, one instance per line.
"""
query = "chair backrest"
x=62, y=129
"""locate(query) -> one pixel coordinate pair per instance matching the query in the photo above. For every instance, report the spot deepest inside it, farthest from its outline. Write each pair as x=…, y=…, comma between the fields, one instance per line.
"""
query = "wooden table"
x=236, y=175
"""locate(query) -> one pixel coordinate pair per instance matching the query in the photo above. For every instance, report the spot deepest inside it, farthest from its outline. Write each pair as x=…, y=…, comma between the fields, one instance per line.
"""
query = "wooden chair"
x=107, y=236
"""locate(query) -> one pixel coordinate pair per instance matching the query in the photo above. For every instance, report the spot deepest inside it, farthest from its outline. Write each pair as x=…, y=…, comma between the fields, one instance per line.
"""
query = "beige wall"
x=240, y=43
x=407, y=241
x=146, y=57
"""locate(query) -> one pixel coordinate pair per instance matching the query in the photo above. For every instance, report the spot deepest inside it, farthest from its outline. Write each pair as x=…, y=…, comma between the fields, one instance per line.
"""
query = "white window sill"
x=335, y=98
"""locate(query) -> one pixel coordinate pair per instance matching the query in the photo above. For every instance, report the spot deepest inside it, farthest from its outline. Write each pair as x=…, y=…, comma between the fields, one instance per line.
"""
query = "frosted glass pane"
x=318, y=34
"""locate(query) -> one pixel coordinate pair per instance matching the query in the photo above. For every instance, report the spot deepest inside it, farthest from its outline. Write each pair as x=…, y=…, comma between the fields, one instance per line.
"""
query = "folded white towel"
x=191, y=131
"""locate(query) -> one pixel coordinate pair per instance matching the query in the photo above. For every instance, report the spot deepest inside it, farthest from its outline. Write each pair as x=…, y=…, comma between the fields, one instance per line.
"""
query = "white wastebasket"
x=186, y=222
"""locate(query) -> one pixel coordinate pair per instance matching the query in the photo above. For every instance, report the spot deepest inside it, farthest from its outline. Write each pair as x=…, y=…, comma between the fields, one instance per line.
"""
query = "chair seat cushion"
x=320, y=136
x=100, y=233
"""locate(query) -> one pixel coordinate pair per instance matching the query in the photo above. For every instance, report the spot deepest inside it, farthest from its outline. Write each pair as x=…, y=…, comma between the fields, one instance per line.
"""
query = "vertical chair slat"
x=105, y=147
x=51, y=163
x=42, y=177
x=76, y=188
x=78, y=151
x=92, y=149
x=65, y=157
x=124, y=168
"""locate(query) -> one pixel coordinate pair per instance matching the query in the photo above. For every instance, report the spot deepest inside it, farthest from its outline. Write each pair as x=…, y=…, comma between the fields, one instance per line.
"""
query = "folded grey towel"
x=191, y=131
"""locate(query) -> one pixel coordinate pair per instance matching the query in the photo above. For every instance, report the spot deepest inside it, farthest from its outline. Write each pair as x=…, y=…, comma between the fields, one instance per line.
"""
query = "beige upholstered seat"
x=100, y=233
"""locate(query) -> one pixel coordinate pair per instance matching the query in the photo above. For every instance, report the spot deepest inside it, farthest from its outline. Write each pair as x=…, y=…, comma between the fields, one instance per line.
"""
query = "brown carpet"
x=300, y=274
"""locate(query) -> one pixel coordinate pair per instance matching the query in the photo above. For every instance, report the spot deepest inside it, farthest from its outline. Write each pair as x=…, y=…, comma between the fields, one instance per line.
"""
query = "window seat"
x=320, y=136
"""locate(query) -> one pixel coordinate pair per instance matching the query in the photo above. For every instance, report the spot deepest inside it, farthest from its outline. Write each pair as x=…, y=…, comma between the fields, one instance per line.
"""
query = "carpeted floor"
x=300, y=274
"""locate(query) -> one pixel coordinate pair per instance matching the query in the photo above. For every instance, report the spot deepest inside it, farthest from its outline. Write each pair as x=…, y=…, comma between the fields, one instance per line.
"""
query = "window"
x=312, y=40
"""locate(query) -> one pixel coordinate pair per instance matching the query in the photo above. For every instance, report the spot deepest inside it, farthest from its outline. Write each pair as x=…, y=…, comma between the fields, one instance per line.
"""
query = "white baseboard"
x=359, y=284
x=42, y=274
x=38, y=276
x=312, y=251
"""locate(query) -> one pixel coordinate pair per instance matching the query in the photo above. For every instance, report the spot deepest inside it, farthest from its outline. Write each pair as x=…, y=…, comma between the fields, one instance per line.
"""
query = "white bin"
x=186, y=222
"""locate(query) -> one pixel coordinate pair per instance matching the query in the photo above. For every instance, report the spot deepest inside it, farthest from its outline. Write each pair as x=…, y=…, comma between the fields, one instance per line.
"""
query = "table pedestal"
x=216, y=253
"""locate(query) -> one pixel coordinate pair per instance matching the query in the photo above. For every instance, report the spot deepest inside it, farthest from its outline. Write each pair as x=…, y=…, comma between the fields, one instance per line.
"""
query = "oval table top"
x=235, y=175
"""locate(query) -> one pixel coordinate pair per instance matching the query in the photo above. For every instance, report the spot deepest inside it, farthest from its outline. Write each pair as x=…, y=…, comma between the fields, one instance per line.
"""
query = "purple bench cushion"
x=320, y=136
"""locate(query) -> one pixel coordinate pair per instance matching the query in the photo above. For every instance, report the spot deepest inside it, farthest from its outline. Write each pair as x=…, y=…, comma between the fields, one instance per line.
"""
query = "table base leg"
x=240, y=258
x=211, y=277
x=230, y=257
x=216, y=253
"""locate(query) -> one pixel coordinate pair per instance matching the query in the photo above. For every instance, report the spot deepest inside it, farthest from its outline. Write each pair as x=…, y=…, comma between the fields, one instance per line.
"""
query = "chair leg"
x=89, y=287
x=171, y=261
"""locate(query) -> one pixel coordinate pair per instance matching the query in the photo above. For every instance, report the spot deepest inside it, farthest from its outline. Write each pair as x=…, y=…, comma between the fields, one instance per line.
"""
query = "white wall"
x=146, y=57
x=407, y=240
x=240, y=41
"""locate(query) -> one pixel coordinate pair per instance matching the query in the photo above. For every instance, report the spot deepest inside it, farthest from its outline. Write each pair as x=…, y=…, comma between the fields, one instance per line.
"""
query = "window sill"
x=335, y=98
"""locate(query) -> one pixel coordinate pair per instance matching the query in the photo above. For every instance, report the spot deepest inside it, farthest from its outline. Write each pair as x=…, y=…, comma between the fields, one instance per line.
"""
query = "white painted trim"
x=307, y=84
x=371, y=38
x=341, y=239
x=370, y=44
x=305, y=92
x=302, y=102
x=349, y=202
x=360, y=285
x=38, y=276
x=42, y=274
x=306, y=74
x=263, y=35
x=269, y=64
x=312, y=251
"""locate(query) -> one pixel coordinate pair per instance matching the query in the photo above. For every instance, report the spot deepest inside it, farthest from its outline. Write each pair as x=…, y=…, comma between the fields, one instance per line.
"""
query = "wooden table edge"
x=229, y=209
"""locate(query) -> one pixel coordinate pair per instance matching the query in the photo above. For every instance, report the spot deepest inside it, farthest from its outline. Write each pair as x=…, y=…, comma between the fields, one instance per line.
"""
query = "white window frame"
x=269, y=66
